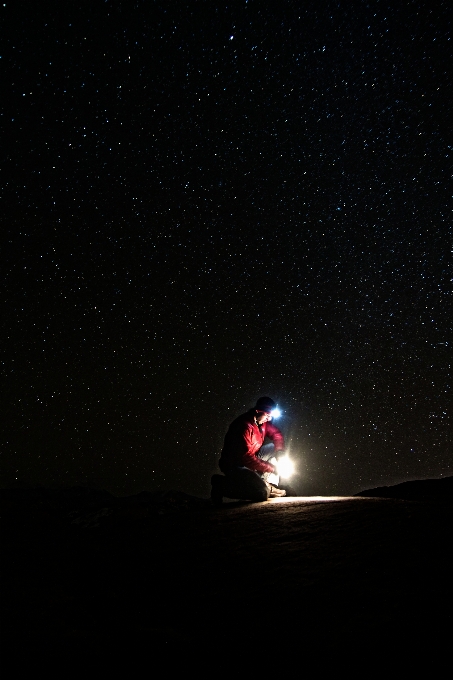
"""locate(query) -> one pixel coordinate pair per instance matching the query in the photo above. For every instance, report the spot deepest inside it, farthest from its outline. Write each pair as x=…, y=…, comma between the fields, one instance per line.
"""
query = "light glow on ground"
x=312, y=499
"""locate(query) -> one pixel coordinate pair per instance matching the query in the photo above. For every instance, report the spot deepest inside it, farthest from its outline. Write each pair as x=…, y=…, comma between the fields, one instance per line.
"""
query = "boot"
x=275, y=492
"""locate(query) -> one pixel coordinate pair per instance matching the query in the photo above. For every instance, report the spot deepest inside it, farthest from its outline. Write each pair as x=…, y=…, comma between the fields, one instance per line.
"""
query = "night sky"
x=205, y=203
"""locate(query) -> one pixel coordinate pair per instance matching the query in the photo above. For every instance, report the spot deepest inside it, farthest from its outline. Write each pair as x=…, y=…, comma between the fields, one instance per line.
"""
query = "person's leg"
x=267, y=453
x=240, y=483
x=246, y=485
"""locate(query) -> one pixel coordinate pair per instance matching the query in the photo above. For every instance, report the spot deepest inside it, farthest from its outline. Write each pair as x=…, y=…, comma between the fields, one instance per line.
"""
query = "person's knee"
x=257, y=488
x=245, y=484
x=260, y=495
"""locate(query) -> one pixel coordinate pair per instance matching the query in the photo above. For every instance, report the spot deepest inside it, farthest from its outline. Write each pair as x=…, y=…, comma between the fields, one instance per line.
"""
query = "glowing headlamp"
x=276, y=413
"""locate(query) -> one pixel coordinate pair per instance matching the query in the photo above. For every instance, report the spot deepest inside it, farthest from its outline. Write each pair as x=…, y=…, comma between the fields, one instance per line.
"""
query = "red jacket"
x=243, y=441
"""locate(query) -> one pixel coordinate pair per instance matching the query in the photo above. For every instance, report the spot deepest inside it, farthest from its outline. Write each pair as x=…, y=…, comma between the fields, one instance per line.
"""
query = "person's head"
x=264, y=407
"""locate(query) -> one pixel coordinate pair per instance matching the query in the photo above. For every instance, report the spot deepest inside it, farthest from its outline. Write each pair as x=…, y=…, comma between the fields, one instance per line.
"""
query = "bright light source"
x=285, y=467
x=276, y=413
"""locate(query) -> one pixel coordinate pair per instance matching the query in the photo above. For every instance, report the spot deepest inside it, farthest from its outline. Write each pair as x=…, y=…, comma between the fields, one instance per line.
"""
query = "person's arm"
x=249, y=459
x=275, y=436
x=252, y=462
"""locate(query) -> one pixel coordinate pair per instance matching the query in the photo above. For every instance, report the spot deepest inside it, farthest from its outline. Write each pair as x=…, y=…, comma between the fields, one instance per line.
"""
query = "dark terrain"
x=163, y=574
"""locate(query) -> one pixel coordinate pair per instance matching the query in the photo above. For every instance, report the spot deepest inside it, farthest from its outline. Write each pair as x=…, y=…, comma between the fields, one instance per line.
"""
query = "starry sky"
x=204, y=203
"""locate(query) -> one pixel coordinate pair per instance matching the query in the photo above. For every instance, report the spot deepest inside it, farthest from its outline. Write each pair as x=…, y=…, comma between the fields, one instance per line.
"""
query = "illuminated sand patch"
x=312, y=499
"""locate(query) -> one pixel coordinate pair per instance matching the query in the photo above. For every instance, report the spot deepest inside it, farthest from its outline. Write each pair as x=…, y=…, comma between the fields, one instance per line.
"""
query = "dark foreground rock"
x=168, y=577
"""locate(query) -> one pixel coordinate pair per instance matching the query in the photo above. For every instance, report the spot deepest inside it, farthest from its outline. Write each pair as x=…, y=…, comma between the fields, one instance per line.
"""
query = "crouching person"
x=247, y=475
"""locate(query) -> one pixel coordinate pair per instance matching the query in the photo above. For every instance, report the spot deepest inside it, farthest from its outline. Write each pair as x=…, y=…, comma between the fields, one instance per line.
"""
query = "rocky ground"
x=167, y=574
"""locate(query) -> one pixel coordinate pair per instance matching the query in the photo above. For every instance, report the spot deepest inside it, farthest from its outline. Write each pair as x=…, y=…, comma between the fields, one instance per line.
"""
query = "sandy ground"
x=315, y=578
